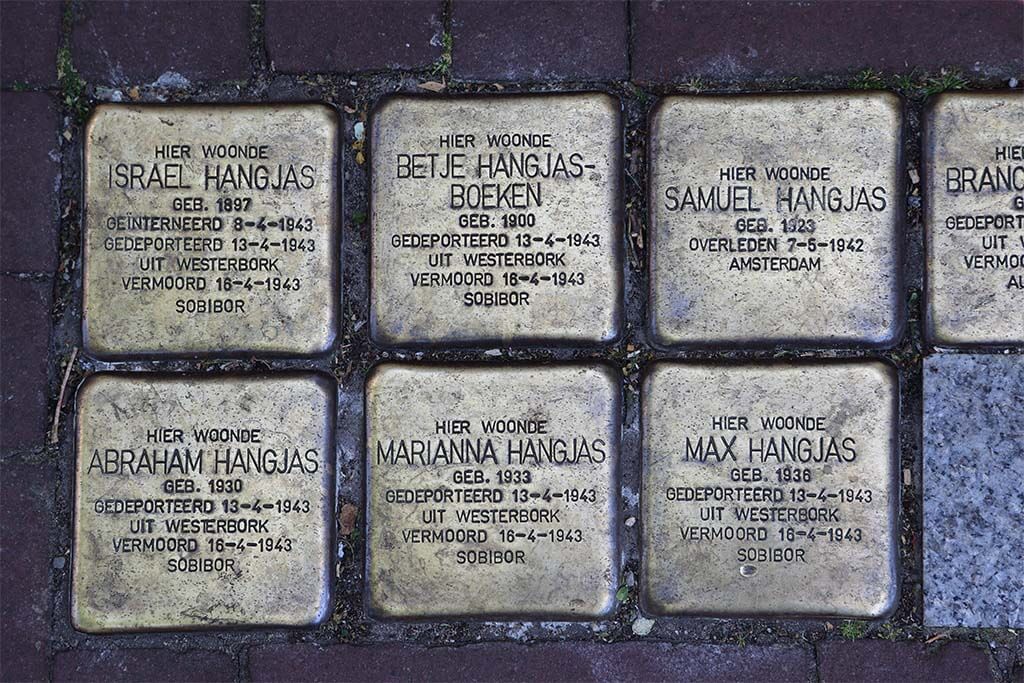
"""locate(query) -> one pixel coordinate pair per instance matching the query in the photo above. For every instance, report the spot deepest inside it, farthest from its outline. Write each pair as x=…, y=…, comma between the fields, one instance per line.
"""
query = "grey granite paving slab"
x=974, y=490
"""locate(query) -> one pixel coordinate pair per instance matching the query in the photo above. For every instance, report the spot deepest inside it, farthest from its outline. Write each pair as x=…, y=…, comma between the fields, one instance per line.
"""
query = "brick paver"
x=511, y=661
x=26, y=509
x=525, y=40
x=876, y=661
x=354, y=36
x=25, y=335
x=138, y=42
x=152, y=665
x=739, y=40
x=29, y=177
x=29, y=36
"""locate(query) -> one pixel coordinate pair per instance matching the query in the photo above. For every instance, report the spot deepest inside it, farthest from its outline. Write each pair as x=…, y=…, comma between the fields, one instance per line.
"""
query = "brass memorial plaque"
x=203, y=502
x=211, y=230
x=974, y=200
x=775, y=220
x=492, y=492
x=496, y=219
x=770, y=489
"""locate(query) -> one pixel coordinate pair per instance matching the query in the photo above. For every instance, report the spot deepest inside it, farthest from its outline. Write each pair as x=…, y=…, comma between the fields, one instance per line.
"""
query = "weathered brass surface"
x=793, y=517
x=974, y=180
x=496, y=219
x=741, y=254
x=180, y=524
x=525, y=529
x=210, y=229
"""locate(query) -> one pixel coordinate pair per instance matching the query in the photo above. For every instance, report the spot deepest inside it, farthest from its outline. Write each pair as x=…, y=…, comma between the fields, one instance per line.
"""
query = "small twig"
x=635, y=181
x=60, y=398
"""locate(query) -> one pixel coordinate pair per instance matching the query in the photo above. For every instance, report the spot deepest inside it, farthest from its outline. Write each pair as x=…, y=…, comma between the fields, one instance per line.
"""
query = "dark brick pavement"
x=25, y=336
x=26, y=513
x=878, y=661
x=29, y=36
x=534, y=41
x=515, y=662
x=139, y=41
x=29, y=177
x=149, y=665
x=353, y=36
x=738, y=40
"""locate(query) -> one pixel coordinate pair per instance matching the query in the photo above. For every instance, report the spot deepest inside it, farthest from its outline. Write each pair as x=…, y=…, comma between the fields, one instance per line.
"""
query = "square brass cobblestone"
x=492, y=492
x=203, y=502
x=775, y=219
x=974, y=199
x=769, y=490
x=496, y=219
x=211, y=229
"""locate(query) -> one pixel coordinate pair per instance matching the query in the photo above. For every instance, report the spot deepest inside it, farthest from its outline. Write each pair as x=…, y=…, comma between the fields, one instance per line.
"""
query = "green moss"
x=913, y=302
x=852, y=630
x=889, y=632
x=868, y=79
x=947, y=79
x=695, y=85
x=916, y=83
x=907, y=83
x=358, y=217
x=72, y=85
x=443, y=66
x=630, y=89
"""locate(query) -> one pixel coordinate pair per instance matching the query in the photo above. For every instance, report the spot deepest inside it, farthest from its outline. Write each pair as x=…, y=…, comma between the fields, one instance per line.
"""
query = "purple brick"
x=510, y=661
x=150, y=665
x=739, y=40
x=25, y=333
x=29, y=177
x=26, y=495
x=877, y=661
x=29, y=37
x=530, y=40
x=353, y=36
x=136, y=41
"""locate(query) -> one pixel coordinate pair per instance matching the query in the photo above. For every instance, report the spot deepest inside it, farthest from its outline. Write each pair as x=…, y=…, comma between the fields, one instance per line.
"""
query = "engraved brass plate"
x=974, y=175
x=496, y=219
x=210, y=230
x=774, y=219
x=770, y=489
x=492, y=492
x=203, y=502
